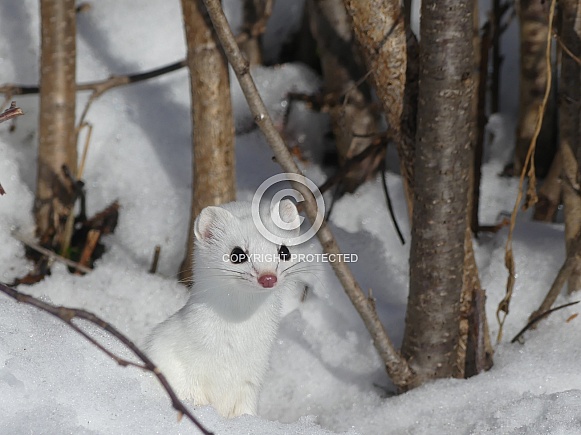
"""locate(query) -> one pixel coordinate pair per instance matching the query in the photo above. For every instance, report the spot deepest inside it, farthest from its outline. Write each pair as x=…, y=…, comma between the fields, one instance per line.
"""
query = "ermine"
x=215, y=350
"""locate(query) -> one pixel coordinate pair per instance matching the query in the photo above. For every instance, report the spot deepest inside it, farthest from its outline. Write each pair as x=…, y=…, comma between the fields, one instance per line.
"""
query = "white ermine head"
x=231, y=253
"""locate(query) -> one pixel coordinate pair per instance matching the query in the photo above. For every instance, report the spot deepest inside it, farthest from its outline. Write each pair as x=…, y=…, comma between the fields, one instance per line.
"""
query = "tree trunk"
x=380, y=29
x=534, y=21
x=57, y=138
x=474, y=347
x=355, y=124
x=441, y=187
x=255, y=12
x=569, y=95
x=214, y=180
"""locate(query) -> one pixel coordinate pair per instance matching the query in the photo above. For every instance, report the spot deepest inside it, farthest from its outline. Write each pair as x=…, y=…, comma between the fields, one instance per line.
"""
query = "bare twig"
x=389, y=204
x=114, y=81
x=67, y=315
x=566, y=49
x=155, y=260
x=93, y=237
x=503, y=306
x=397, y=367
x=11, y=112
x=539, y=317
x=561, y=278
x=101, y=85
x=50, y=254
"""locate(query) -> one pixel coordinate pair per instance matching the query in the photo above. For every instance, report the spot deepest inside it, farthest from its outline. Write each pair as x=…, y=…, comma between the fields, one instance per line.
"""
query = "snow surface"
x=325, y=375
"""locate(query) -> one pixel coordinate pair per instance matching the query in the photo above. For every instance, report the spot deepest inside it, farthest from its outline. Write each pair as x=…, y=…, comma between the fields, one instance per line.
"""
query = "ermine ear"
x=286, y=216
x=211, y=223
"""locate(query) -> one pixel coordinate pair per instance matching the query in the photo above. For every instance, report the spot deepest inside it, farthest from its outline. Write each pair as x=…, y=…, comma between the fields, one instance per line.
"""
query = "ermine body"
x=216, y=349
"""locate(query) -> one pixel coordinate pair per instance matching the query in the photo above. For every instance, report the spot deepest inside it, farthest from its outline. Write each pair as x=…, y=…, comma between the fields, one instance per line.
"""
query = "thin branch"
x=50, y=254
x=503, y=306
x=155, y=261
x=101, y=85
x=114, y=81
x=539, y=317
x=566, y=49
x=389, y=204
x=67, y=315
x=397, y=367
x=562, y=276
x=351, y=163
x=11, y=112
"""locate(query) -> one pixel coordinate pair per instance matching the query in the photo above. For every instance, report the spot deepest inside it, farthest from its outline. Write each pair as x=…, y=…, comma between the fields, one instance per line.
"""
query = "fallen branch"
x=68, y=314
x=396, y=366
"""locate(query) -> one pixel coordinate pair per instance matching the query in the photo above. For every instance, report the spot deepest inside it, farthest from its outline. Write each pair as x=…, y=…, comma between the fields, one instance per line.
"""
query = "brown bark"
x=57, y=136
x=569, y=128
x=256, y=13
x=534, y=27
x=214, y=180
x=380, y=30
x=354, y=122
x=474, y=346
x=550, y=192
x=441, y=187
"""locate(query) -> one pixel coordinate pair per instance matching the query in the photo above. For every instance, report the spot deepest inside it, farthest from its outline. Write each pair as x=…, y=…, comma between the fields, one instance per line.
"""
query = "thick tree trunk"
x=379, y=26
x=57, y=138
x=441, y=187
x=355, y=124
x=569, y=124
x=214, y=180
x=534, y=26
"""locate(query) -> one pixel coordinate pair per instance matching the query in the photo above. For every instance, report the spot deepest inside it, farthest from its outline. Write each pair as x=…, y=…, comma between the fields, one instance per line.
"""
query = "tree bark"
x=474, y=346
x=534, y=26
x=214, y=180
x=379, y=26
x=255, y=12
x=354, y=122
x=441, y=187
x=57, y=137
x=569, y=110
x=550, y=192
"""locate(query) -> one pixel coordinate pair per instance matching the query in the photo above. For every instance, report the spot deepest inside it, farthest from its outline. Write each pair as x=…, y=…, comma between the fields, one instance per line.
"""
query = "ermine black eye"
x=238, y=256
x=284, y=253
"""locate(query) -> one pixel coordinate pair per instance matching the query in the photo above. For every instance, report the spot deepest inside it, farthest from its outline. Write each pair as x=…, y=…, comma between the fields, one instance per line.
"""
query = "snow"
x=325, y=375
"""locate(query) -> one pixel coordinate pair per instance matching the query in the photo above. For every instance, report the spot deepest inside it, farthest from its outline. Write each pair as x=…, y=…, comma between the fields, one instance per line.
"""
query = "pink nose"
x=267, y=281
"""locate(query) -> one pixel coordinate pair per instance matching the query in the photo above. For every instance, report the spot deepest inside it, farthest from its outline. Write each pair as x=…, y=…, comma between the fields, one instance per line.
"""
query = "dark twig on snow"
x=68, y=314
x=155, y=260
x=539, y=317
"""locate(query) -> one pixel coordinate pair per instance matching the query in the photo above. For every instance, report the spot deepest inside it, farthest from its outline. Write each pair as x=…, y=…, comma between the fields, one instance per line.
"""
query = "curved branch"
x=68, y=314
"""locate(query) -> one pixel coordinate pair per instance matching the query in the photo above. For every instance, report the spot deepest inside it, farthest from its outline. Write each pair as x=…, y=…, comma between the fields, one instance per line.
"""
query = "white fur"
x=215, y=350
